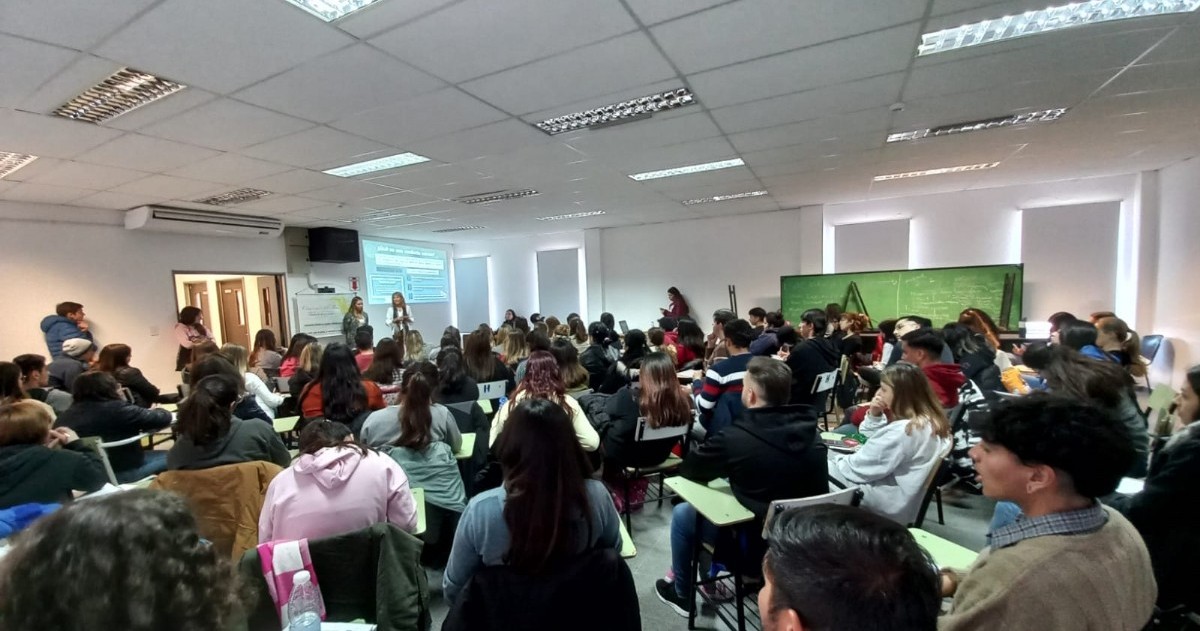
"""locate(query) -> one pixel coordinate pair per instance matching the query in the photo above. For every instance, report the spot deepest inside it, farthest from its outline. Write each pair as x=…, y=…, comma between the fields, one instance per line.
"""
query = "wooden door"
x=233, y=312
x=197, y=296
x=268, y=300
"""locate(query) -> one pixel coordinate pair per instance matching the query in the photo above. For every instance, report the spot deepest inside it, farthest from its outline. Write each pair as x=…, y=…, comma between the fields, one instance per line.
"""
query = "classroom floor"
x=966, y=516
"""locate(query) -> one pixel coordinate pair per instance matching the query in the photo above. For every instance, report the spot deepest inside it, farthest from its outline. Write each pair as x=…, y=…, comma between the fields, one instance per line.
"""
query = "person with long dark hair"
x=417, y=389
x=980, y=322
x=579, y=334
x=543, y=380
x=265, y=354
x=547, y=511
x=189, y=331
x=482, y=364
x=454, y=384
x=339, y=392
x=114, y=360
x=209, y=435
x=599, y=357
x=574, y=375
x=689, y=344
x=387, y=368
x=170, y=577
x=677, y=307
x=356, y=317
x=335, y=486
x=12, y=390
x=246, y=407
x=99, y=410
x=39, y=463
x=291, y=357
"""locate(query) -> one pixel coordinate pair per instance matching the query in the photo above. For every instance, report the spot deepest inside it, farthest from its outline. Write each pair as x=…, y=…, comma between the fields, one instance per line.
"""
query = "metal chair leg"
x=937, y=494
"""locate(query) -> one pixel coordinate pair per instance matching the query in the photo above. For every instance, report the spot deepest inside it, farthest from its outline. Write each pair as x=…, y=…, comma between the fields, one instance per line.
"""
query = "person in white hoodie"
x=267, y=400
x=335, y=487
x=907, y=436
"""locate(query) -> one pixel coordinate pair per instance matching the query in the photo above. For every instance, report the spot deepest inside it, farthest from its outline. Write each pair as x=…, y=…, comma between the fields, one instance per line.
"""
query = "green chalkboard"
x=939, y=294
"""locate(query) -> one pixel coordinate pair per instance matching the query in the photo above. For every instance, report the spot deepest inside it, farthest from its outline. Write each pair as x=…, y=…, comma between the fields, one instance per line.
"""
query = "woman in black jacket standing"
x=100, y=411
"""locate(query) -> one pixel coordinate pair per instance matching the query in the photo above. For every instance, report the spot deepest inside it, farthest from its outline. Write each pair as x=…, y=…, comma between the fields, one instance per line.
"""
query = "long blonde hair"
x=414, y=345
x=310, y=358
x=913, y=399
x=1131, y=344
x=515, y=348
x=237, y=355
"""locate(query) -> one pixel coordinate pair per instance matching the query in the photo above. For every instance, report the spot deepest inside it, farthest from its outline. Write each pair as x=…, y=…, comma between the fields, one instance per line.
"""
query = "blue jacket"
x=58, y=330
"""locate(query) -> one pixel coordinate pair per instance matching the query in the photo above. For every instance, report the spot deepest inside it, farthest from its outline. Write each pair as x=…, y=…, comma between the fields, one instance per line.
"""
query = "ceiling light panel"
x=11, y=162
x=723, y=198
x=330, y=10
x=240, y=196
x=1047, y=20
x=590, y=213
x=1042, y=116
x=378, y=164
x=497, y=196
x=122, y=92
x=616, y=113
x=939, y=171
x=687, y=170
x=460, y=229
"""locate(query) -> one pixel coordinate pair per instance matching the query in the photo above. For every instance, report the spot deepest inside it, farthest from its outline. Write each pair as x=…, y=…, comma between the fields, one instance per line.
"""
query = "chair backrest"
x=462, y=406
x=850, y=496
x=492, y=389
x=1150, y=346
x=281, y=384
x=646, y=433
x=825, y=381
x=94, y=443
x=940, y=470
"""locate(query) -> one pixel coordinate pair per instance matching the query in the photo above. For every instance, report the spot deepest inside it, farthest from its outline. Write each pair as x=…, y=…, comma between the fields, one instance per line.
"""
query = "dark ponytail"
x=416, y=414
x=207, y=413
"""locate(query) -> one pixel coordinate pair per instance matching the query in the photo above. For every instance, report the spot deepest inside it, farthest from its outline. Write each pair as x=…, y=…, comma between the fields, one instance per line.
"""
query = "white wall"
x=1177, y=300
x=1070, y=256
x=303, y=276
x=123, y=278
x=514, y=271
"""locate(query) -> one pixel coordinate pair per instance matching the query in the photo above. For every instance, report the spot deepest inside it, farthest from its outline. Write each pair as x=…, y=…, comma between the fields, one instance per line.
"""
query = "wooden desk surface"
x=715, y=501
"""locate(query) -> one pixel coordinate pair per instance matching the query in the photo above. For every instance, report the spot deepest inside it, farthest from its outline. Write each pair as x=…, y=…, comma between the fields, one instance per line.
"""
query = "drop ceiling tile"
x=295, y=182
x=227, y=125
x=749, y=30
x=1183, y=44
x=813, y=130
x=49, y=136
x=316, y=145
x=279, y=204
x=654, y=11
x=791, y=108
x=837, y=62
x=383, y=16
x=82, y=73
x=221, y=45
x=44, y=193
x=492, y=139
x=351, y=191
x=615, y=142
x=117, y=201
x=1148, y=78
x=333, y=86
x=177, y=103
x=427, y=116
x=495, y=36
x=37, y=62
x=33, y=170
x=78, y=24
x=145, y=153
x=408, y=179
x=228, y=168
x=397, y=200
x=88, y=176
x=630, y=60
x=168, y=187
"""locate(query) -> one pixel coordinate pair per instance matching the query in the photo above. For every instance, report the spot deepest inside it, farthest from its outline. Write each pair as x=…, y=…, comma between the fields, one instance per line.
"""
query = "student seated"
x=543, y=381
x=689, y=343
x=772, y=452
x=534, y=342
x=209, y=435
x=99, y=410
x=265, y=356
x=924, y=348
x=1121, y=344
x=339, y=392
x=547, y=511
x=114, y=360
x=335, y=486
x=304, y=371
x=814, y=356
x=574, y=376
x=415, y=348
x=1167, y=510
x=267, y=399
x=767, y=343
x=170, y=577
x=482, y=364
x=246, y=407
x=35, y=381
x=76, y=357
x=386, y=369
x=11, y=389
x=599, y=357
x=67, y=323
x=454, y=384
x=838, y=567
x=974, y=356
x=636, y=349
x=516, y=349
x=40, y=464
x=903, y=445
x=1069, y=563
x=907, y=325
x=200, y=351
x=720, y=394
x=291, y=358
x=386, y=426
x=364, y=349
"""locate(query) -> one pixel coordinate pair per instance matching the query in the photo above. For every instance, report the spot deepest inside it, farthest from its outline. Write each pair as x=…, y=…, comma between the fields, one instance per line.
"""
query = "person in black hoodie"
x=974, y=356
x=772, y=452
x=40, y=464
x=99, y=410
x=599, y=358
x=817, y=354
x=211, y=436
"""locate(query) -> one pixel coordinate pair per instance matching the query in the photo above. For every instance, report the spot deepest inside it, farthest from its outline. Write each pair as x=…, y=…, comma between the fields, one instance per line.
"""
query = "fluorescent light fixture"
x=692, y=168
x=940, y=171
x=12, y=162
x=590, y=213
x=460, y=229
x=378, y=164
x=496, y=196
x=1041, y=116
x=330, y=10
x=1047, y=20
x=122, y=92
x=723, y=198
x=240, y=196
x=616, y=113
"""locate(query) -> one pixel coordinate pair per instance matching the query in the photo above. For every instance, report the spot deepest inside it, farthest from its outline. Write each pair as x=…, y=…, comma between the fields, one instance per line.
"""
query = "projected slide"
x=421, y=274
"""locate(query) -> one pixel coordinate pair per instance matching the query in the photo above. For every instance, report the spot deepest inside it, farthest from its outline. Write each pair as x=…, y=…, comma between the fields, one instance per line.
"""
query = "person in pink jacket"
x=335, y=487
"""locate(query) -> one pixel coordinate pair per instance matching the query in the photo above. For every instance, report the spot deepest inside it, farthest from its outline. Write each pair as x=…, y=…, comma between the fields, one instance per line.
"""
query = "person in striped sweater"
x=720, y=393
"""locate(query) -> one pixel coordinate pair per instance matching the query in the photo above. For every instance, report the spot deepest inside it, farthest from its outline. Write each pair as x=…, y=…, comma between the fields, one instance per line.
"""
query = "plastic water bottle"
x=304, y=605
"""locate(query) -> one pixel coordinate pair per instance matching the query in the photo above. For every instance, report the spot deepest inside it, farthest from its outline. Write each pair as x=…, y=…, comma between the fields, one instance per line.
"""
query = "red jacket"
x=946, y=380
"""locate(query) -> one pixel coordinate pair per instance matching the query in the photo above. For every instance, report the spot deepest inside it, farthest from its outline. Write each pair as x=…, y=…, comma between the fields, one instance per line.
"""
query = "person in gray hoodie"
x=211, y=436
x=77, y=355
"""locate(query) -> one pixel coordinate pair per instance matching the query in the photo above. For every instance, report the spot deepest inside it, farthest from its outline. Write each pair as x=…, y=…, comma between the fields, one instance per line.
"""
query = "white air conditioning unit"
x=187, y=221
